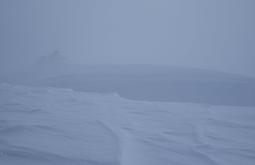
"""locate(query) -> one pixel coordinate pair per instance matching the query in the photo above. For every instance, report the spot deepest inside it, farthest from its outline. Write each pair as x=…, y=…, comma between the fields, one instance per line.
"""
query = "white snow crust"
x=50, y=126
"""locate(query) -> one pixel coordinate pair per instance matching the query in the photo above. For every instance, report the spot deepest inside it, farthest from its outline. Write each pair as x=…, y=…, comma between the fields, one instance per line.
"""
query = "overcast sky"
x=212, y=34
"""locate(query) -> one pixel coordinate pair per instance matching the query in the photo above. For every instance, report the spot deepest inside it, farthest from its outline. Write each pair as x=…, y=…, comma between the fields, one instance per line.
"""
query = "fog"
x=127, y=82
x=216, y=35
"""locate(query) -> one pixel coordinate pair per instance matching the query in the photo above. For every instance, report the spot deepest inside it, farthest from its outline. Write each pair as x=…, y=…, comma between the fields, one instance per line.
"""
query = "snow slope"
x=50, y=126
x=140, y=82
x=160, y=83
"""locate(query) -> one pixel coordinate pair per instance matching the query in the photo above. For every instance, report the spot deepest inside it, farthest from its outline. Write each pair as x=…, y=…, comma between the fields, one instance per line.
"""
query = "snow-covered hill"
x=140, y=82
x=49, y=126
x=159, y=83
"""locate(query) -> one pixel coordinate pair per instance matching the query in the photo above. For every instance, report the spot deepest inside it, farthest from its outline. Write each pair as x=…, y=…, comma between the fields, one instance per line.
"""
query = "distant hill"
x=52, y=65
x=161, y=83
x=140, y=82
x=54, y=59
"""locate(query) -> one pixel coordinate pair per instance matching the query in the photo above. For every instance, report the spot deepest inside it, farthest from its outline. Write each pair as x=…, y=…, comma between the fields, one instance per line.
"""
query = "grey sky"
x=213, y=34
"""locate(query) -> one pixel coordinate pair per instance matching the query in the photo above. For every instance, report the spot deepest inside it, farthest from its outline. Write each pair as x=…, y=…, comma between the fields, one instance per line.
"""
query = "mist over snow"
x=215, y=35
x=127, y=82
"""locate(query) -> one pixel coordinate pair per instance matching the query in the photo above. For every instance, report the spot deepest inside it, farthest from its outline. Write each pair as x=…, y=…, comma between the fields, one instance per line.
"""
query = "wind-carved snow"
x=47, y=126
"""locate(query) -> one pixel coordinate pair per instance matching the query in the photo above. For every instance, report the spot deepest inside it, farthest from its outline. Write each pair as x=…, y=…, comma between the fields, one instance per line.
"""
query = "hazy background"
x=211, y=34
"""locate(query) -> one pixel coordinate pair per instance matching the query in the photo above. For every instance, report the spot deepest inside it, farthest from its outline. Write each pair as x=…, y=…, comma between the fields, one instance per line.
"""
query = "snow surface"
x=50, y=126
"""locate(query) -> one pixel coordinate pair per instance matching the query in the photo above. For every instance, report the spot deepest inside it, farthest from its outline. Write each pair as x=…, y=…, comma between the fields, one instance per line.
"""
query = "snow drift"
x=48, y=126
